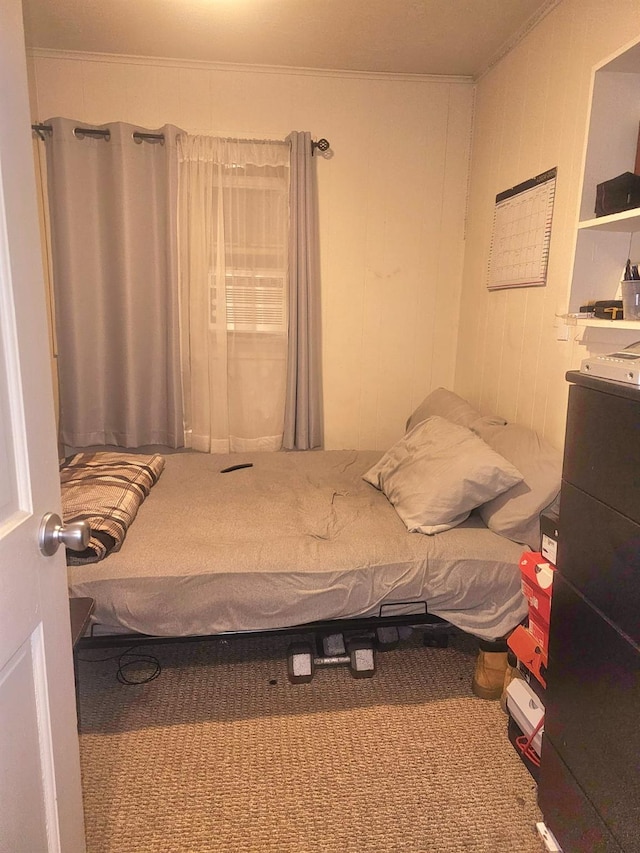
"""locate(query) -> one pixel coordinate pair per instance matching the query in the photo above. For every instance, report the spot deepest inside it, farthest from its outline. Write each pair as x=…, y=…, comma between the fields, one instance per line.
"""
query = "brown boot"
x=510, y=673
x=488, y=678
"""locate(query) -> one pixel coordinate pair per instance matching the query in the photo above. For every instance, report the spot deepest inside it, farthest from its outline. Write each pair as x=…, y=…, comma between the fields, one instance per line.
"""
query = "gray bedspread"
x=296, y=538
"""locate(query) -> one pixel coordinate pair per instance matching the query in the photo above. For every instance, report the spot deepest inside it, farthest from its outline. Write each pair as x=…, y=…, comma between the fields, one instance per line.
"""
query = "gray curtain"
x=113, y=208
x=303, y=406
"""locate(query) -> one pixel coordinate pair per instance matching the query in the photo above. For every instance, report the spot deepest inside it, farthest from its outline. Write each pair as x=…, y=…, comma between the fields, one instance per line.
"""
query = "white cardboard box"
x=526, y=709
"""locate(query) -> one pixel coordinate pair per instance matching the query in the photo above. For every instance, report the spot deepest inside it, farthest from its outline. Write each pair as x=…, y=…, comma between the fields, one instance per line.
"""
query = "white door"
x=40, y=793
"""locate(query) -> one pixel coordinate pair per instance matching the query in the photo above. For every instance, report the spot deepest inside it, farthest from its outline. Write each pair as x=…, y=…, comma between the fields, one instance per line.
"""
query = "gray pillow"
x=446, y=404
x=516, y=514
x=438, y=472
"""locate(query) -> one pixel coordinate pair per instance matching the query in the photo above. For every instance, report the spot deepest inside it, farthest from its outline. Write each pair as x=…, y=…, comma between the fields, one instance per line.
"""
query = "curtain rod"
x=105, y=133
x=321, y=144
x=42, y=129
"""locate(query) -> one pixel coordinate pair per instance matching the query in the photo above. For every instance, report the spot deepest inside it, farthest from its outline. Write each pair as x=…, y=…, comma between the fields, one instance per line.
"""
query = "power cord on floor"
x=125, y=665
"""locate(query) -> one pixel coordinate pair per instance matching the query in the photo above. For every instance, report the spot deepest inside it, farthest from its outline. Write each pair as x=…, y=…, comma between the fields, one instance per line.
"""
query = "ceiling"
x=446, y=37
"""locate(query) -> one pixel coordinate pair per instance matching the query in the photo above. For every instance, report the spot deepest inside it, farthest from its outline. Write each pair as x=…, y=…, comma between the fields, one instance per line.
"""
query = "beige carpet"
x=220, y=754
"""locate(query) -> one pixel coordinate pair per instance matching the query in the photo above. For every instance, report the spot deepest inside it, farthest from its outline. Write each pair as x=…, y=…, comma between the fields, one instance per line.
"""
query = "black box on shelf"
x=618, y=194
x=608, y=309
x=549, y=532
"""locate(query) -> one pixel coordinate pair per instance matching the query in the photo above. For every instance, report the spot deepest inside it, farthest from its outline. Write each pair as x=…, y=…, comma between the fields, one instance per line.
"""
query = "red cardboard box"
x=529, y=651
x=539, y=630
x=537, y=584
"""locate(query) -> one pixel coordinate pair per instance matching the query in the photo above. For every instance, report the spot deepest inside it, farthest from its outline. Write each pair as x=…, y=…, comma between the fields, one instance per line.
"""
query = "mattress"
x=295, y=538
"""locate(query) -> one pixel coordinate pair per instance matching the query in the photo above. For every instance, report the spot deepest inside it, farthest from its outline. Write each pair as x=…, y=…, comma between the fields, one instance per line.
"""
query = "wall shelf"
x=627, y=221
x=604, y=243
x=611, y=325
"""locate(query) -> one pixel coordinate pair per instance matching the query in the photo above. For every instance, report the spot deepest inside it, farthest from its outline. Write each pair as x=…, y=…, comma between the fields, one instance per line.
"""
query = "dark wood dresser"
x=589, y=788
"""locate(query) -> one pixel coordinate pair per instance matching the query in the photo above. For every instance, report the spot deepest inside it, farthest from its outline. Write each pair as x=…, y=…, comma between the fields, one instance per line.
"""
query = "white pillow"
x=438, y=472
x=446, y=404
x=516, y=514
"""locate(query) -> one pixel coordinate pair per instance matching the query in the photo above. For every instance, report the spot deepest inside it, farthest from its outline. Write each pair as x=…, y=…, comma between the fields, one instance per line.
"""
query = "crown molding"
x=518, y=36
x=81, y=56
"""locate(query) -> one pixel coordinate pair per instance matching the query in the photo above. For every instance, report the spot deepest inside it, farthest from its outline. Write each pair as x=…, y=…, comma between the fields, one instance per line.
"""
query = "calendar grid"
x=521, y=235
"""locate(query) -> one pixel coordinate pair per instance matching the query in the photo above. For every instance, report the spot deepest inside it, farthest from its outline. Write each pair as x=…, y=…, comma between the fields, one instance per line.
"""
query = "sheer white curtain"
x=233, y=218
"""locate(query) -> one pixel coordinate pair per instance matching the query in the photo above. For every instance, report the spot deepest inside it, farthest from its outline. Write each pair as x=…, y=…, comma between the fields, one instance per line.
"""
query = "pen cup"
x=631, y=300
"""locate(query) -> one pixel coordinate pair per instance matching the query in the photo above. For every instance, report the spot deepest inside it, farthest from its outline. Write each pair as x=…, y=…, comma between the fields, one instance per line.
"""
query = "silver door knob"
x=54, y=533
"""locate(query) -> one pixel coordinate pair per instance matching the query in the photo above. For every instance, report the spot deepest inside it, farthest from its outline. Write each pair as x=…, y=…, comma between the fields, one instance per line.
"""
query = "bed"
x=294, y=538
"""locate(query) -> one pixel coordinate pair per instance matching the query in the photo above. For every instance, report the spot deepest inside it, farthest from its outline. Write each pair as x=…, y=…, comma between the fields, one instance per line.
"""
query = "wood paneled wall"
x=531, y=114
x=392, y=204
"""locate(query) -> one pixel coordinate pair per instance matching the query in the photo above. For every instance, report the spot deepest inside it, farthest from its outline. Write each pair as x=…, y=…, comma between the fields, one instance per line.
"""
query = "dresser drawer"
x=592, y=707
x=599, y=553
x=567, y=812
x=602, y=448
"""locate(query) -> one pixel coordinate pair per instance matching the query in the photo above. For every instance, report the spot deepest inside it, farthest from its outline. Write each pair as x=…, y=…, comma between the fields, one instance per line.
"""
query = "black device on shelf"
x=618, y=194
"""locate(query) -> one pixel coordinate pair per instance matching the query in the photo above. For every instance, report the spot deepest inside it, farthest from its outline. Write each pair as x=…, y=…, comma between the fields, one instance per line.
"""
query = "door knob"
x=54, y=533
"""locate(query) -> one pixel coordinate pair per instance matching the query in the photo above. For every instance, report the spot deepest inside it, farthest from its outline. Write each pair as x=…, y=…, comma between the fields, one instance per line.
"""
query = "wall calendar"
x=521, y=233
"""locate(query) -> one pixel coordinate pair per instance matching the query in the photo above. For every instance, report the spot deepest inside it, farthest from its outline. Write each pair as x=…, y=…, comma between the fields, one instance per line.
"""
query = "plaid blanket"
x=106, y=490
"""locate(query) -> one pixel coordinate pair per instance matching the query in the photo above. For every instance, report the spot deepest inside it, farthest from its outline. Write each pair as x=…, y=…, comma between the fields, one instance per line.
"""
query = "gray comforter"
x=295, y=538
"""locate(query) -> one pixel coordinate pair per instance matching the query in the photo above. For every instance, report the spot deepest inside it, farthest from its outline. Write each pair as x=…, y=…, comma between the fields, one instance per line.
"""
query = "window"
x=248, y=286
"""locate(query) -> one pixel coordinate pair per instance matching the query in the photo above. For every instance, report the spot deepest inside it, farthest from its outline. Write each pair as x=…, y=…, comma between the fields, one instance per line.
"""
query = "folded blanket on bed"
x=105, y=489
